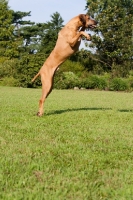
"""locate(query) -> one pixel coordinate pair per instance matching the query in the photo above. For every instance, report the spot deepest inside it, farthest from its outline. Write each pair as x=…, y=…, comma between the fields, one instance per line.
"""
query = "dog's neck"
x=75, y=28
x=76, y=25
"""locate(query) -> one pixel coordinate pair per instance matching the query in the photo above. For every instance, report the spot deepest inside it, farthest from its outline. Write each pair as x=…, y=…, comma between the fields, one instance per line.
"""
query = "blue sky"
x=42, y=9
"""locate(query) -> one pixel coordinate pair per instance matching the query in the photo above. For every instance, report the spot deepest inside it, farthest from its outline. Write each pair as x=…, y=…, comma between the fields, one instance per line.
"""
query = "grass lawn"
x=81, y=149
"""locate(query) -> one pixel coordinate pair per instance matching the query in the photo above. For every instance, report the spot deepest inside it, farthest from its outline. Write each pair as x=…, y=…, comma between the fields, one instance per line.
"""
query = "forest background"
x=105, y=63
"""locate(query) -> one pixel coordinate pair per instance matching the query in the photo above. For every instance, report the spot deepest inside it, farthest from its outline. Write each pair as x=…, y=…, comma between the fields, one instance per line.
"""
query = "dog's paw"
x=88, y=37
x=39, y=114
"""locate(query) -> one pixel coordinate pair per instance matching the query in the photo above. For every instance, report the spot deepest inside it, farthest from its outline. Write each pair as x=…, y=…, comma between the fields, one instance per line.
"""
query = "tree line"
x=25, y=45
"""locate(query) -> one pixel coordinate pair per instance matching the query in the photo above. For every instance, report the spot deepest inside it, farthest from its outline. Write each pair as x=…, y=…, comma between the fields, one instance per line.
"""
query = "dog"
x=68, y=42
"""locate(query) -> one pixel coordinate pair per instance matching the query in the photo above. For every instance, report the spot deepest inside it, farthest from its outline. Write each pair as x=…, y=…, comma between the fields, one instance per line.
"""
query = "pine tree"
x=26, y=30
x=50, y=33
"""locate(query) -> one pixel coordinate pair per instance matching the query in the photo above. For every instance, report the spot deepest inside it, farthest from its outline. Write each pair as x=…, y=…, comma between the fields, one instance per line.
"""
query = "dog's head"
x=87, y=21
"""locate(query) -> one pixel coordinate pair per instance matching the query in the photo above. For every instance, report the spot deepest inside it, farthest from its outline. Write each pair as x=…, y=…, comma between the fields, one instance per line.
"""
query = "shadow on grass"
x=76, y=109
x=125, y=110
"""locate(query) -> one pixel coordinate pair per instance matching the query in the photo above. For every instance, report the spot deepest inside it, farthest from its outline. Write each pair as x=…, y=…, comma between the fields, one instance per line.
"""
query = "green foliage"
x=131, y=82
x=50, y=33
x=9, y=81
x=67, y=76
x=24, y=46
x=94, y=82
x=85, y=58
x=36, y=38
x=130, y=79
x=71, y=66
x=8, y=44
x=66, y=80
x=113, y=42
x=120, y=70
x=17, y=19
x=8, y=68
x=69, y=80
x=27, y=31
x=118, y=84
x=31, y=65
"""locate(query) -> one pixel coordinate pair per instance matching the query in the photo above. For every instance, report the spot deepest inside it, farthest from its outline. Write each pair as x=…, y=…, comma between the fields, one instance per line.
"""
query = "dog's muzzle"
x=93, y=25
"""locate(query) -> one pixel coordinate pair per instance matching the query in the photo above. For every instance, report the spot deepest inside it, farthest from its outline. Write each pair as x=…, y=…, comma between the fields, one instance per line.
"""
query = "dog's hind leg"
x=47, y=83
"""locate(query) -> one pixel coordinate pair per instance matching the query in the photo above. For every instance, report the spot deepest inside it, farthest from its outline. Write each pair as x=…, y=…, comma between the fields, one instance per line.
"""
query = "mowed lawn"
x=81, y=149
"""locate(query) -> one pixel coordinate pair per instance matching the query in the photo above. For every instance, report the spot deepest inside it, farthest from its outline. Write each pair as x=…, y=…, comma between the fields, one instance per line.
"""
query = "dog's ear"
x=82, y=18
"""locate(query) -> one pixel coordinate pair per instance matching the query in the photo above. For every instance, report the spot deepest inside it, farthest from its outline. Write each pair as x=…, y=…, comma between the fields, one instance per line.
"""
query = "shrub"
x=27, y=68
x=118, y=84
x=94, y=82
x=98, y=82
x=8, y=68
x=85, y=83
x=9, y=81
x=131, y=83
x=71, y=66
x=130, y=79
x=66, y=80
x=120, y=70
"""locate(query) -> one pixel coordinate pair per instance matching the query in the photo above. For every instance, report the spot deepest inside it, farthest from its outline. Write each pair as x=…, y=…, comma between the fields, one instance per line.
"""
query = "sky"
x=42, y=9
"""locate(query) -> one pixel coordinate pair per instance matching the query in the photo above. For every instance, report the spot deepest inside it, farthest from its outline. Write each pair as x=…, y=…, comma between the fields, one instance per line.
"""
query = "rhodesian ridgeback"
x=68, y=42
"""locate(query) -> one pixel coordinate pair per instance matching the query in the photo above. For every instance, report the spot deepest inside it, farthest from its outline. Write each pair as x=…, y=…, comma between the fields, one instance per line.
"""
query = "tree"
x=113, y=40
x=50, y=33
x=29, y=59
x=27, y=67
x=26, y=30
x=42, y=38
x=8, y=43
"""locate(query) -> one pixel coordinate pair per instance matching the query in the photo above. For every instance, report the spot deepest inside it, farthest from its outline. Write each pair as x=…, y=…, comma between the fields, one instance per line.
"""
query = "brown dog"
x=68, y=42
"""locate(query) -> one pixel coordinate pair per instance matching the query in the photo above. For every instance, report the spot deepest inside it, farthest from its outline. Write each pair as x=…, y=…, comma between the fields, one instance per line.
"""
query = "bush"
x=131, y=83
x=8, y=68
x=9, y=81
x=66, y=80
x=94, y=82
x=118, y=84
x=27, y=68
x=130, y=79
x=98, y=82
x=85, y=83
x=71, y=66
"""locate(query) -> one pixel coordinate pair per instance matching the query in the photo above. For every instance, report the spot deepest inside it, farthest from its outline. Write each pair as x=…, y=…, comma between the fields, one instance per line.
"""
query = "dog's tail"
x=35, y=77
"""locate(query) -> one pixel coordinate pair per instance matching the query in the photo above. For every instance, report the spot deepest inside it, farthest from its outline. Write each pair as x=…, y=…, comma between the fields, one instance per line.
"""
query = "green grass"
x=81, y=149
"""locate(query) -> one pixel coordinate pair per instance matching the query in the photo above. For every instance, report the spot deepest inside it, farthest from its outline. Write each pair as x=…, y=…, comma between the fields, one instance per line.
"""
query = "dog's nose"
x=96, y=22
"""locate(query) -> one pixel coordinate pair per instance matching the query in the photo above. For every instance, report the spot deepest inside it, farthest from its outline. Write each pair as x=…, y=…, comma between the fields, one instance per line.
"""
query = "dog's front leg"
x=74, y=40
x=88, y=37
